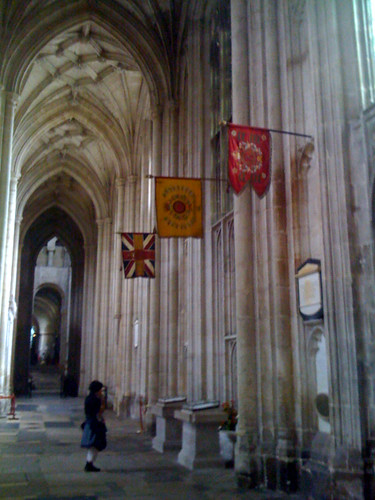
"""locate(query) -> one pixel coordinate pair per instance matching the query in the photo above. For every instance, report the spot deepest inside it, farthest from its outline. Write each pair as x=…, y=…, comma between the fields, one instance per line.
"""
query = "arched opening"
x=49, y=341
x=45, y=345
x=50, y=298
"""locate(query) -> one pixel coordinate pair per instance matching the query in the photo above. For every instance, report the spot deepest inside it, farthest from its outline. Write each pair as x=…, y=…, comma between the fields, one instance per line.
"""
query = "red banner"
x=249, y=158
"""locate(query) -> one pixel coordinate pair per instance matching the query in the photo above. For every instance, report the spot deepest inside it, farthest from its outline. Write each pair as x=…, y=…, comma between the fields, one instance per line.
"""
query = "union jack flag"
x=138, y=254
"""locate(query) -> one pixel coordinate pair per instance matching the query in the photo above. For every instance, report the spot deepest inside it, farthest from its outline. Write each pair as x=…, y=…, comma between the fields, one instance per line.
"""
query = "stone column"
x=172, y=382
x=117, y=277
x=168, y=269
x=95, y=354
x=105, y=256
x=88, y=318
x=247, y=431
x=8, y=307
x=281, y=256
x=128, y=297
x=8, y=101
x=17, y=227
x=337, y=275
x=153, y=378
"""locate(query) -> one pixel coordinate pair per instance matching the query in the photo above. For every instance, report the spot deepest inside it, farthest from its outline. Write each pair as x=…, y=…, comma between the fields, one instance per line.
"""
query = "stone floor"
x=40, y=458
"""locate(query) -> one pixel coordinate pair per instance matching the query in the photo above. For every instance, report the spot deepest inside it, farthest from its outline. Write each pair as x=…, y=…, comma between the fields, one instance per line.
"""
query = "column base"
x=333, y=472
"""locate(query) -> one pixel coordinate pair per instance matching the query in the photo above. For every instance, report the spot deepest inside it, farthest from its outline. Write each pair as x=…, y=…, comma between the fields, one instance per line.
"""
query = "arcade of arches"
x=97, y=97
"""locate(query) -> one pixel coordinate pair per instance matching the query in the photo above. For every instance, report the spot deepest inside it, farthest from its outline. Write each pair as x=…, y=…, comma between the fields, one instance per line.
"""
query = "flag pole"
x=136, y=232
x=150, y=176
x=224, y=123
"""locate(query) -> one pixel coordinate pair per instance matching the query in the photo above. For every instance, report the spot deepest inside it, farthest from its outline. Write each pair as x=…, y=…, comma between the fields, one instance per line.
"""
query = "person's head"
x=95, y=387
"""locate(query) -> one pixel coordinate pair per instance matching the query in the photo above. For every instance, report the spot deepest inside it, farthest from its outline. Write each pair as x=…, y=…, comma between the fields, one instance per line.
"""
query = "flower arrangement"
x=230, y=423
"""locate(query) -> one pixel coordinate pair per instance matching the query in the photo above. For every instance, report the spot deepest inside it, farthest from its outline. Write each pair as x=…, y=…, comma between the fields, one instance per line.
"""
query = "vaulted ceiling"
x=78, y=118
x=86, y=91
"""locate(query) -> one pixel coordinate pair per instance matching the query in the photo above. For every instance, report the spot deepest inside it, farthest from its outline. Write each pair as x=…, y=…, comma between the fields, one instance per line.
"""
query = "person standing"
x=94, y=428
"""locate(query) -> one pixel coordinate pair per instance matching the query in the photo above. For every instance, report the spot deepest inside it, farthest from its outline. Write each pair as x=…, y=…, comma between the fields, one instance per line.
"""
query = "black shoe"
x=90, y=467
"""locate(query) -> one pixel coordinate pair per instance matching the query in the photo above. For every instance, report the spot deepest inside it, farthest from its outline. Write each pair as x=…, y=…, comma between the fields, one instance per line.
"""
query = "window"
x=365, y=31
x=224, y=306
x=221, y=105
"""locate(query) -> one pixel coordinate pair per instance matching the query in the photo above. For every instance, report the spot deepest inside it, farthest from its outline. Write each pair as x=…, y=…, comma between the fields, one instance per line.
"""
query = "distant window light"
x=365, y=34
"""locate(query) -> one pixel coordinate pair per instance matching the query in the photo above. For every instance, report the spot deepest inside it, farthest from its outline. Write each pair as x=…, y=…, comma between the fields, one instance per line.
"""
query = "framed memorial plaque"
x=309, y=285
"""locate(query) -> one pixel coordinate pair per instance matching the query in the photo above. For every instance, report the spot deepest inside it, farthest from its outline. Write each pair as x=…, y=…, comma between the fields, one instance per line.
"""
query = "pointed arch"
x=33, y=179
x=52, y=222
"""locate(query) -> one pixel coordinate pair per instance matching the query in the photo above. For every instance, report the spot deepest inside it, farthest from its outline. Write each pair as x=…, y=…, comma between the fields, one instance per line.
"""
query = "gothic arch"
x=32, y=181
x=53, y=286
x=52, y=222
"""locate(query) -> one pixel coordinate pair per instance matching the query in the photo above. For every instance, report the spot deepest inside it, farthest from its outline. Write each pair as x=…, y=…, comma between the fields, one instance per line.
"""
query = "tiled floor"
x=41, y=458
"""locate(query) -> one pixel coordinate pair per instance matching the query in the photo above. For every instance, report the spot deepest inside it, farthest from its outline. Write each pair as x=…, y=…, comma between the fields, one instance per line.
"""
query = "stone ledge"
x=166, y=407
x=200, y=437
x=211, y=416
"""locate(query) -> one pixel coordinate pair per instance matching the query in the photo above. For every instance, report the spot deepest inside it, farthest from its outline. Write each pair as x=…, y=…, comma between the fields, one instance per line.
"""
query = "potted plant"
x=227, y=433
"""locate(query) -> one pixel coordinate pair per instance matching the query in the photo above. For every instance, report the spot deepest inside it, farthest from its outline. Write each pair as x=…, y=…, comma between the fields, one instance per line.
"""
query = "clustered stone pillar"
x=8, y=101
x=153, y=379
x=8, y=306
x=128, y=298
x=173, y=266
x=168, y=268
x=246, y=446
x=88, y=318
x=117, y=282
x=104, y=302
x=10, y=360
x=95, y=354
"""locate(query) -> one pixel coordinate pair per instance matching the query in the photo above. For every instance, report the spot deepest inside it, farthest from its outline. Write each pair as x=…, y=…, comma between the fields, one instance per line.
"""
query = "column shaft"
x=8, y=307
x=117, y=277
x=153, y=382
x=129, y=296
x=104, y=301
x=95, y=355
x=8, y=102
x=244, y=260
x=173, y=267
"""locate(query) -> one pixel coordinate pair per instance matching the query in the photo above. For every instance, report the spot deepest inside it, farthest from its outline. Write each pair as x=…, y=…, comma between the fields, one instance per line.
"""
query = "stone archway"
x=53, y=221
x=47, y=309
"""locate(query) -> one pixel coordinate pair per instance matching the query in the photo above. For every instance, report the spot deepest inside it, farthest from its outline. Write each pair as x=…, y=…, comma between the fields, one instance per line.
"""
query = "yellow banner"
x=178, y=207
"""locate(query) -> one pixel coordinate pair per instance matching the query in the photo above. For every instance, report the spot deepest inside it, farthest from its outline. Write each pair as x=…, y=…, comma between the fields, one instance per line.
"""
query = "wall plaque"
x=309, y=287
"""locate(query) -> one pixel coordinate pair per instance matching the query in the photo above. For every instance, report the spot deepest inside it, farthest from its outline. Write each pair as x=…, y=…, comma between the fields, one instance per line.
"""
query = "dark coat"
x=94, y=430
